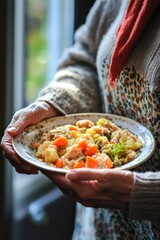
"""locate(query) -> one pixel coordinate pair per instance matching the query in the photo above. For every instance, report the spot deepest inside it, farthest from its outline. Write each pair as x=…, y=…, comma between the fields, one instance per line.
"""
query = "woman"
x=111, y=68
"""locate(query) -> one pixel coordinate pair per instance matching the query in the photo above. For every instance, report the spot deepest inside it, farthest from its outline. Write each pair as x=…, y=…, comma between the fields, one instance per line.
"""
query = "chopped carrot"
x=36, y=145
x=91, y=150
x=109, y=163
x=72, y=127
x=60, y=141
x=82, y=144
x=59, y=163
x=91, y=162
x=79, y=164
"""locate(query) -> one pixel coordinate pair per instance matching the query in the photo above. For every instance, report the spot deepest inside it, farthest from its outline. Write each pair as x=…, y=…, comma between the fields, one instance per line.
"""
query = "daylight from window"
x=49, y=30
x=43, y=30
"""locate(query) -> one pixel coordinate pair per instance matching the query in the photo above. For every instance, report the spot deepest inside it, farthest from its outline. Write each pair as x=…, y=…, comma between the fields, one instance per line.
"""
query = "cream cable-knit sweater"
x=76, y=88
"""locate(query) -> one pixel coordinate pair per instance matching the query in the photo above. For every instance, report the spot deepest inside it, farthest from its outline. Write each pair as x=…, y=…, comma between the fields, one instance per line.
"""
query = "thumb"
x=87, y=174
x=18, y=125
x=15, y=129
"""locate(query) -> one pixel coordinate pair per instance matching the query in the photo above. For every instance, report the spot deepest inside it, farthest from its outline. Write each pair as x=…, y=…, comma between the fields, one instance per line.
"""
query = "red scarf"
x=138, y=14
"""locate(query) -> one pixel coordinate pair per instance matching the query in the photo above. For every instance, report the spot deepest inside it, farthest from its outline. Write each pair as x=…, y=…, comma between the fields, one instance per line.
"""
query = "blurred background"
x=34, y=35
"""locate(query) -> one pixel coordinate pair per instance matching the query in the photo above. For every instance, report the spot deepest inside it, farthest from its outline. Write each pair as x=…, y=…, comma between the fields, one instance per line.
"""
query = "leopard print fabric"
x=131, y=98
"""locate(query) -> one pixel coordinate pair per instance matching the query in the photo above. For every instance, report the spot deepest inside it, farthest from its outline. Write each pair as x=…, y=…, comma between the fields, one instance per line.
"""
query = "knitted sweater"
x=77, y=85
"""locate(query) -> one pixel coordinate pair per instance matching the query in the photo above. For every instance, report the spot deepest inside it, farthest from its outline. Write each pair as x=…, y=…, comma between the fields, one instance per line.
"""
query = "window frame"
x=6, y=108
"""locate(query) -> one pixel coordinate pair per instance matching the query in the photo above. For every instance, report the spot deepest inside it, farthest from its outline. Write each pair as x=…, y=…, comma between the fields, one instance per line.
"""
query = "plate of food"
x=88, y=140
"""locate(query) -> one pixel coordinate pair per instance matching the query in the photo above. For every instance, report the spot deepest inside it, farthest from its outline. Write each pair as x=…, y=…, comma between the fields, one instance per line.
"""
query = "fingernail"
x=11, y=129
x=71, y=176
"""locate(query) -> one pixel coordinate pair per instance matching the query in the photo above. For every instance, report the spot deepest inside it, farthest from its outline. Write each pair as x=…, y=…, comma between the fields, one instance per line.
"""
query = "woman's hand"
x=32, y=114
x=97, y=188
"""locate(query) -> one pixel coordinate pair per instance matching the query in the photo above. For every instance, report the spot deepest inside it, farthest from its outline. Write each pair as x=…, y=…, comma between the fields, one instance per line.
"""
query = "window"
x=40, y=38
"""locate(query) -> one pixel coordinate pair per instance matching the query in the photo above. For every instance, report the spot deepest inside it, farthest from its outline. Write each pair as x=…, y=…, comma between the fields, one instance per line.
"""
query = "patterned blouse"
x=131, y=98
x=134, y=97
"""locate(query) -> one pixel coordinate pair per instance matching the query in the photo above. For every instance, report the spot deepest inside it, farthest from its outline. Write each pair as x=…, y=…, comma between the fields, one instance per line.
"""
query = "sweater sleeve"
x=75, y=86
x=145, y=197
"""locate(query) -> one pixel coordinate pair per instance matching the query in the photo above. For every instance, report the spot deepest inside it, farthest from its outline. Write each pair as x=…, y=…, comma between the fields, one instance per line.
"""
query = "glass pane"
x=37, y=52
x=46, y=39
x=39, y=43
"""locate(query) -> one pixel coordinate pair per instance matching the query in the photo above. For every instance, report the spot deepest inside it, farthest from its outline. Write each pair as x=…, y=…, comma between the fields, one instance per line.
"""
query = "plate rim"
x=46, y=167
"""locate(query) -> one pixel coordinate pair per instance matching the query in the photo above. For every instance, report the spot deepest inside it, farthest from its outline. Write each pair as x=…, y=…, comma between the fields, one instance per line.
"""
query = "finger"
x=14, y=159
x=87, y=174
x=16, y=127
x=24, y=167
x=27, y=171
x=9, y=152
x=12, y=127
x=58, y=179
x=101, y=175
x=32, y=114
x=23, y=118
x=53, y=175
x=64, y=184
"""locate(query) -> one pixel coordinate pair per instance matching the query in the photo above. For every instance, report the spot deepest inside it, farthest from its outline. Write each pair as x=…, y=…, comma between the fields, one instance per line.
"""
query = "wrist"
x=145, y=196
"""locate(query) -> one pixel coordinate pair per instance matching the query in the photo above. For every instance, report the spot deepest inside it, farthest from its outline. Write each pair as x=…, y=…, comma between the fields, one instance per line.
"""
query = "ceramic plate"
x=22, y=143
